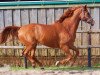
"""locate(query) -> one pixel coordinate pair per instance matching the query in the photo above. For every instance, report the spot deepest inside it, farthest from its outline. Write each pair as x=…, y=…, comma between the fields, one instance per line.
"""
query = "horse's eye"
x=88, y=13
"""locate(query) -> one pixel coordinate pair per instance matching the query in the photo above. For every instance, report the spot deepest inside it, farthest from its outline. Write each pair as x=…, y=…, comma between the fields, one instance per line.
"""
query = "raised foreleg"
x=65, y=48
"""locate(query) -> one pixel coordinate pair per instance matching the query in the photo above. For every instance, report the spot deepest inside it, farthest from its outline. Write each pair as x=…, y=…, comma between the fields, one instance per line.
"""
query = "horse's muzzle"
x=91, y=21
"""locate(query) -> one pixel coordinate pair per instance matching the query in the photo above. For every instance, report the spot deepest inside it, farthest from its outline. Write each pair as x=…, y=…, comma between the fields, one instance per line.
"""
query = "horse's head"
x=85, y=15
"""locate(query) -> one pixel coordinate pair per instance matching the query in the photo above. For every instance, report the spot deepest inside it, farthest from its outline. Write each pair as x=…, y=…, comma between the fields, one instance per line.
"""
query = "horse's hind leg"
x=35, y=59
x=69, y=55
x=26, y=54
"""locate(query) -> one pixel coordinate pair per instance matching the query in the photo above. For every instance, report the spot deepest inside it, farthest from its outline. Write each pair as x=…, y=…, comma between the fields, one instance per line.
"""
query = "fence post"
x=25, y=62
x=89, y=49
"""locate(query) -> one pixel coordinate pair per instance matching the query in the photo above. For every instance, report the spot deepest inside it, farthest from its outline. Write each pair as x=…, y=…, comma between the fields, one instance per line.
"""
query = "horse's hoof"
x=42, y=68
x=33, y=66
x=57, y=63
x=71, y=64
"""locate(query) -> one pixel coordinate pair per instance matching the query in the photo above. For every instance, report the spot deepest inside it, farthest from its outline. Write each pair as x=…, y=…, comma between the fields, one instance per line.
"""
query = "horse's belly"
x=46, y=35
x=50, y=43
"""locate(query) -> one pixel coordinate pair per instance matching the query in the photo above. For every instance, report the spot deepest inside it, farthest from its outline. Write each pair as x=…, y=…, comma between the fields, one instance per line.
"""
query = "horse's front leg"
x=65, y=48
x=76, y=55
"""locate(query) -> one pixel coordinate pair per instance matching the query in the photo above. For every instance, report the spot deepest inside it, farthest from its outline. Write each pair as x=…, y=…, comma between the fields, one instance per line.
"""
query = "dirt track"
x=7, y=71
x=40, y=72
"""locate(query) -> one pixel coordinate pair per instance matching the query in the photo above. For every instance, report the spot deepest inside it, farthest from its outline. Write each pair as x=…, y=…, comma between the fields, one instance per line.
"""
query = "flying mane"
x=68, y=13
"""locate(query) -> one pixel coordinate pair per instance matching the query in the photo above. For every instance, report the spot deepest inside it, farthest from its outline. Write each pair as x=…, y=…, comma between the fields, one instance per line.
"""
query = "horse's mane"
x=68, y=13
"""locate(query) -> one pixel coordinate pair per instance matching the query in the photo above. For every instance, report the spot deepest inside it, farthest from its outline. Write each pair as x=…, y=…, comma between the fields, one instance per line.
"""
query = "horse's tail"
x=7, y=32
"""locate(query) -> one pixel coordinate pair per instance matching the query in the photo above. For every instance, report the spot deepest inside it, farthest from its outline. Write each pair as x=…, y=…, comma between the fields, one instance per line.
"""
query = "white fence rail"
x=40, y=47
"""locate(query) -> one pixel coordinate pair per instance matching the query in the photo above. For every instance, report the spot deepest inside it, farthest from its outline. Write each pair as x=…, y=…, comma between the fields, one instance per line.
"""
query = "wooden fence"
x=23, y=16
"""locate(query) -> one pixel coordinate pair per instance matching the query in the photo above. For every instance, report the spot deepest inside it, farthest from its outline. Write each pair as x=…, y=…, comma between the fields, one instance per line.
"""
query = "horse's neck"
x=72, y=25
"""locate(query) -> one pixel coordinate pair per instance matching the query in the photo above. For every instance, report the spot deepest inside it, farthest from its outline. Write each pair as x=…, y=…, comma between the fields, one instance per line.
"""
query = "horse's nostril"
x=92, y=24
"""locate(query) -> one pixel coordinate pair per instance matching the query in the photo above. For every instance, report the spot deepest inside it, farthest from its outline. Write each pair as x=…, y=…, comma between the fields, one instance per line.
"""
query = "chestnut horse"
x=60, y=34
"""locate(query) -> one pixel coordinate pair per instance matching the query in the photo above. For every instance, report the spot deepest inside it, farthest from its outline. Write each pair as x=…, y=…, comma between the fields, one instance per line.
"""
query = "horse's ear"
x=85, y=7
